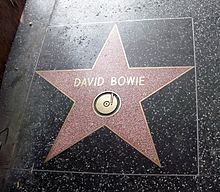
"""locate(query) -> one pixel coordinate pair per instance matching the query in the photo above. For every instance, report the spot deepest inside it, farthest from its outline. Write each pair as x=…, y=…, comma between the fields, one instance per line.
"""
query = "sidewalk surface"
x=158, y=65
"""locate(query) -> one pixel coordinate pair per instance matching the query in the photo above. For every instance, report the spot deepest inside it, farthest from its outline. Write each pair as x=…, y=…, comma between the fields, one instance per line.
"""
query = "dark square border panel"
x=171, y=112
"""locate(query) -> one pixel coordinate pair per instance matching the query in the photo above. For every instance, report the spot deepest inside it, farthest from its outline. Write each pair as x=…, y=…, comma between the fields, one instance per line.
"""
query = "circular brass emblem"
x=107, y=103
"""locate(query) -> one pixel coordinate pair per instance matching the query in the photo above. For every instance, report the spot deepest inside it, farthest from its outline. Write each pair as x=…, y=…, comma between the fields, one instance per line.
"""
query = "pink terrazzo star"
x=129, y=123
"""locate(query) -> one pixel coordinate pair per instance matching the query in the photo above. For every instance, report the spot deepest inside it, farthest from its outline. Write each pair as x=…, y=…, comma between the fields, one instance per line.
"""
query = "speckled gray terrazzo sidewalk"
x=183, y=117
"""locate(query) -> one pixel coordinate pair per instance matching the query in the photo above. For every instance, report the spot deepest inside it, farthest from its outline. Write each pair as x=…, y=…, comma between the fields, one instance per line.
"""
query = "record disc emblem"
x=107, y=103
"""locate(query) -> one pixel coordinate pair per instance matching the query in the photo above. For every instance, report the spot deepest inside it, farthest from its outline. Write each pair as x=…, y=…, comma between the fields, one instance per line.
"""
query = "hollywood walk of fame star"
x=111, y=73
